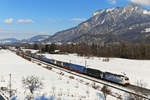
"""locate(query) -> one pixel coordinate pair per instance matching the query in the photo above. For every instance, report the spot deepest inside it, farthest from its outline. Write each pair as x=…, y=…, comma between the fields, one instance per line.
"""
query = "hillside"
x=130, y=24
x=35, y=39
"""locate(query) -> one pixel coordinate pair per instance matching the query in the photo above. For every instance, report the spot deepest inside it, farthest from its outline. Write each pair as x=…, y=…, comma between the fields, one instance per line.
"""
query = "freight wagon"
x=74, y=67
x=94, y=73
x=59, y=63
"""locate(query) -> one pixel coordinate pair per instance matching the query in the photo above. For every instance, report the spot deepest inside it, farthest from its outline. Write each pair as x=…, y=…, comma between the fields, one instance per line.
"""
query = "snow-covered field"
x=136, y=70
x=60, y=87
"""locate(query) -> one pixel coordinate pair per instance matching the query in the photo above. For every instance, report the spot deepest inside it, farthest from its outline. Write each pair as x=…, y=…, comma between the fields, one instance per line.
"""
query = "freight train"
x=115, y=78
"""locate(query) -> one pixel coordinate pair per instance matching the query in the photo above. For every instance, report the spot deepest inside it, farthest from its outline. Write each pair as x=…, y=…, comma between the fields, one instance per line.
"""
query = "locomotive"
x=115, y=78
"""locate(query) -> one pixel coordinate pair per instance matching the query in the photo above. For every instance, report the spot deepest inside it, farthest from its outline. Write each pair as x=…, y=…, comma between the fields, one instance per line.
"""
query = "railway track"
x=3, y=95
x=131, y=89
x=141, y=90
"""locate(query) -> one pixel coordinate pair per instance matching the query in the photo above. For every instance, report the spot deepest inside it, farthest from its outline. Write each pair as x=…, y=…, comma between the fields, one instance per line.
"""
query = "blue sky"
x=26, y=18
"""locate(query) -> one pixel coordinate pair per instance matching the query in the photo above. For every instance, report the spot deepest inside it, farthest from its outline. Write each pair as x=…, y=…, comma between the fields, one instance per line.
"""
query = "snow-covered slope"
x=54, y=84
x=37, y=38
x=136, y=70
x=8, y=41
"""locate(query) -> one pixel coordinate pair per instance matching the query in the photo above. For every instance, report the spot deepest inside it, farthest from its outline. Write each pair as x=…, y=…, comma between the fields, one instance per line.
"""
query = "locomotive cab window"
x=126, y=79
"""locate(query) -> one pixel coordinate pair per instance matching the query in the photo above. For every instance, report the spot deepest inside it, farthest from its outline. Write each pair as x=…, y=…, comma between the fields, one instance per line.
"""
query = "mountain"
x=130, y=24
x=36, y=39
x=8, y=41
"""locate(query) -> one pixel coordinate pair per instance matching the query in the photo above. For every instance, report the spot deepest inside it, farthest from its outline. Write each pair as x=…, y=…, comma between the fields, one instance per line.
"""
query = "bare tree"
x=140, y=83
x=32, y=83
x=106, y=91
x=53, y=89
x=88, y=92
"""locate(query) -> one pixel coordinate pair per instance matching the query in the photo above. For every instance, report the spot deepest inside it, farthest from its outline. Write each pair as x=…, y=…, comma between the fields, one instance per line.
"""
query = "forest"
x=124, y=50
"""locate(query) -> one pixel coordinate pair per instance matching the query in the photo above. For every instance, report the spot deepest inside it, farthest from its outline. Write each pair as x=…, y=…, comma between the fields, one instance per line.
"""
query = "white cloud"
x=78, y=19
x=10, y=20
x=112, y=2
x=142, y=2
x=24, y=21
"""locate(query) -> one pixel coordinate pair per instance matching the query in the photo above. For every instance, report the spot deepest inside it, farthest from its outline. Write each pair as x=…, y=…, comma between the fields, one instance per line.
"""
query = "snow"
x=146, y=12
x=54, y=83
x=136, y=8
x=32, y=50
x=86, y=24
x=103, y=21
x=136, y=70
x=130, y=28
x=98, y=12
x=5, y=41
x=147, y=30
x=110, y=9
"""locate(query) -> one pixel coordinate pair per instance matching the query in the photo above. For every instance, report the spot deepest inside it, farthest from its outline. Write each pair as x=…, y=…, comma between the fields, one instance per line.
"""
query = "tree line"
x=124, y=50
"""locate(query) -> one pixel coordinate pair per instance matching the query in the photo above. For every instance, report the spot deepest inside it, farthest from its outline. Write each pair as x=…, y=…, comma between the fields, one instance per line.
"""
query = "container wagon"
x=45, y=59
x=74, y=67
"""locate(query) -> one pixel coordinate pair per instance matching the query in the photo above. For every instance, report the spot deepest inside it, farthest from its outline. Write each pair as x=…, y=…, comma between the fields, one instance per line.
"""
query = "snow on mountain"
x=147, y=30
x=60, y=87
x=109, y=9
x=8, y=41
x=5, y=41
x=136, y=70
x=102, y=11
x=146, y=12
x=98, y=12
x=37, y=39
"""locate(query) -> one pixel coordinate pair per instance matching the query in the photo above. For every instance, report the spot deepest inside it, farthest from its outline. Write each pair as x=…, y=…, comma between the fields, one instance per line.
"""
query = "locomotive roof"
x=116, y=74
x=94, y=69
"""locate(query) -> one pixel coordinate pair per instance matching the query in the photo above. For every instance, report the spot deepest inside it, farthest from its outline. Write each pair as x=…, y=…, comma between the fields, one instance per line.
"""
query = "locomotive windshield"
x=126, y=78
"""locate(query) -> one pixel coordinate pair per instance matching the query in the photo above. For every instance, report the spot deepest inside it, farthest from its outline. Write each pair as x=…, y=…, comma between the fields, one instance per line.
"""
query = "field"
x=63, y=86
x=60, y=87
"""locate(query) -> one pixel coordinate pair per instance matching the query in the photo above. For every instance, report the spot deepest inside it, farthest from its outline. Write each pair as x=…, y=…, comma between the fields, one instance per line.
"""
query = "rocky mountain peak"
x=130, y=6
x=109, y=10
x=134, y=8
